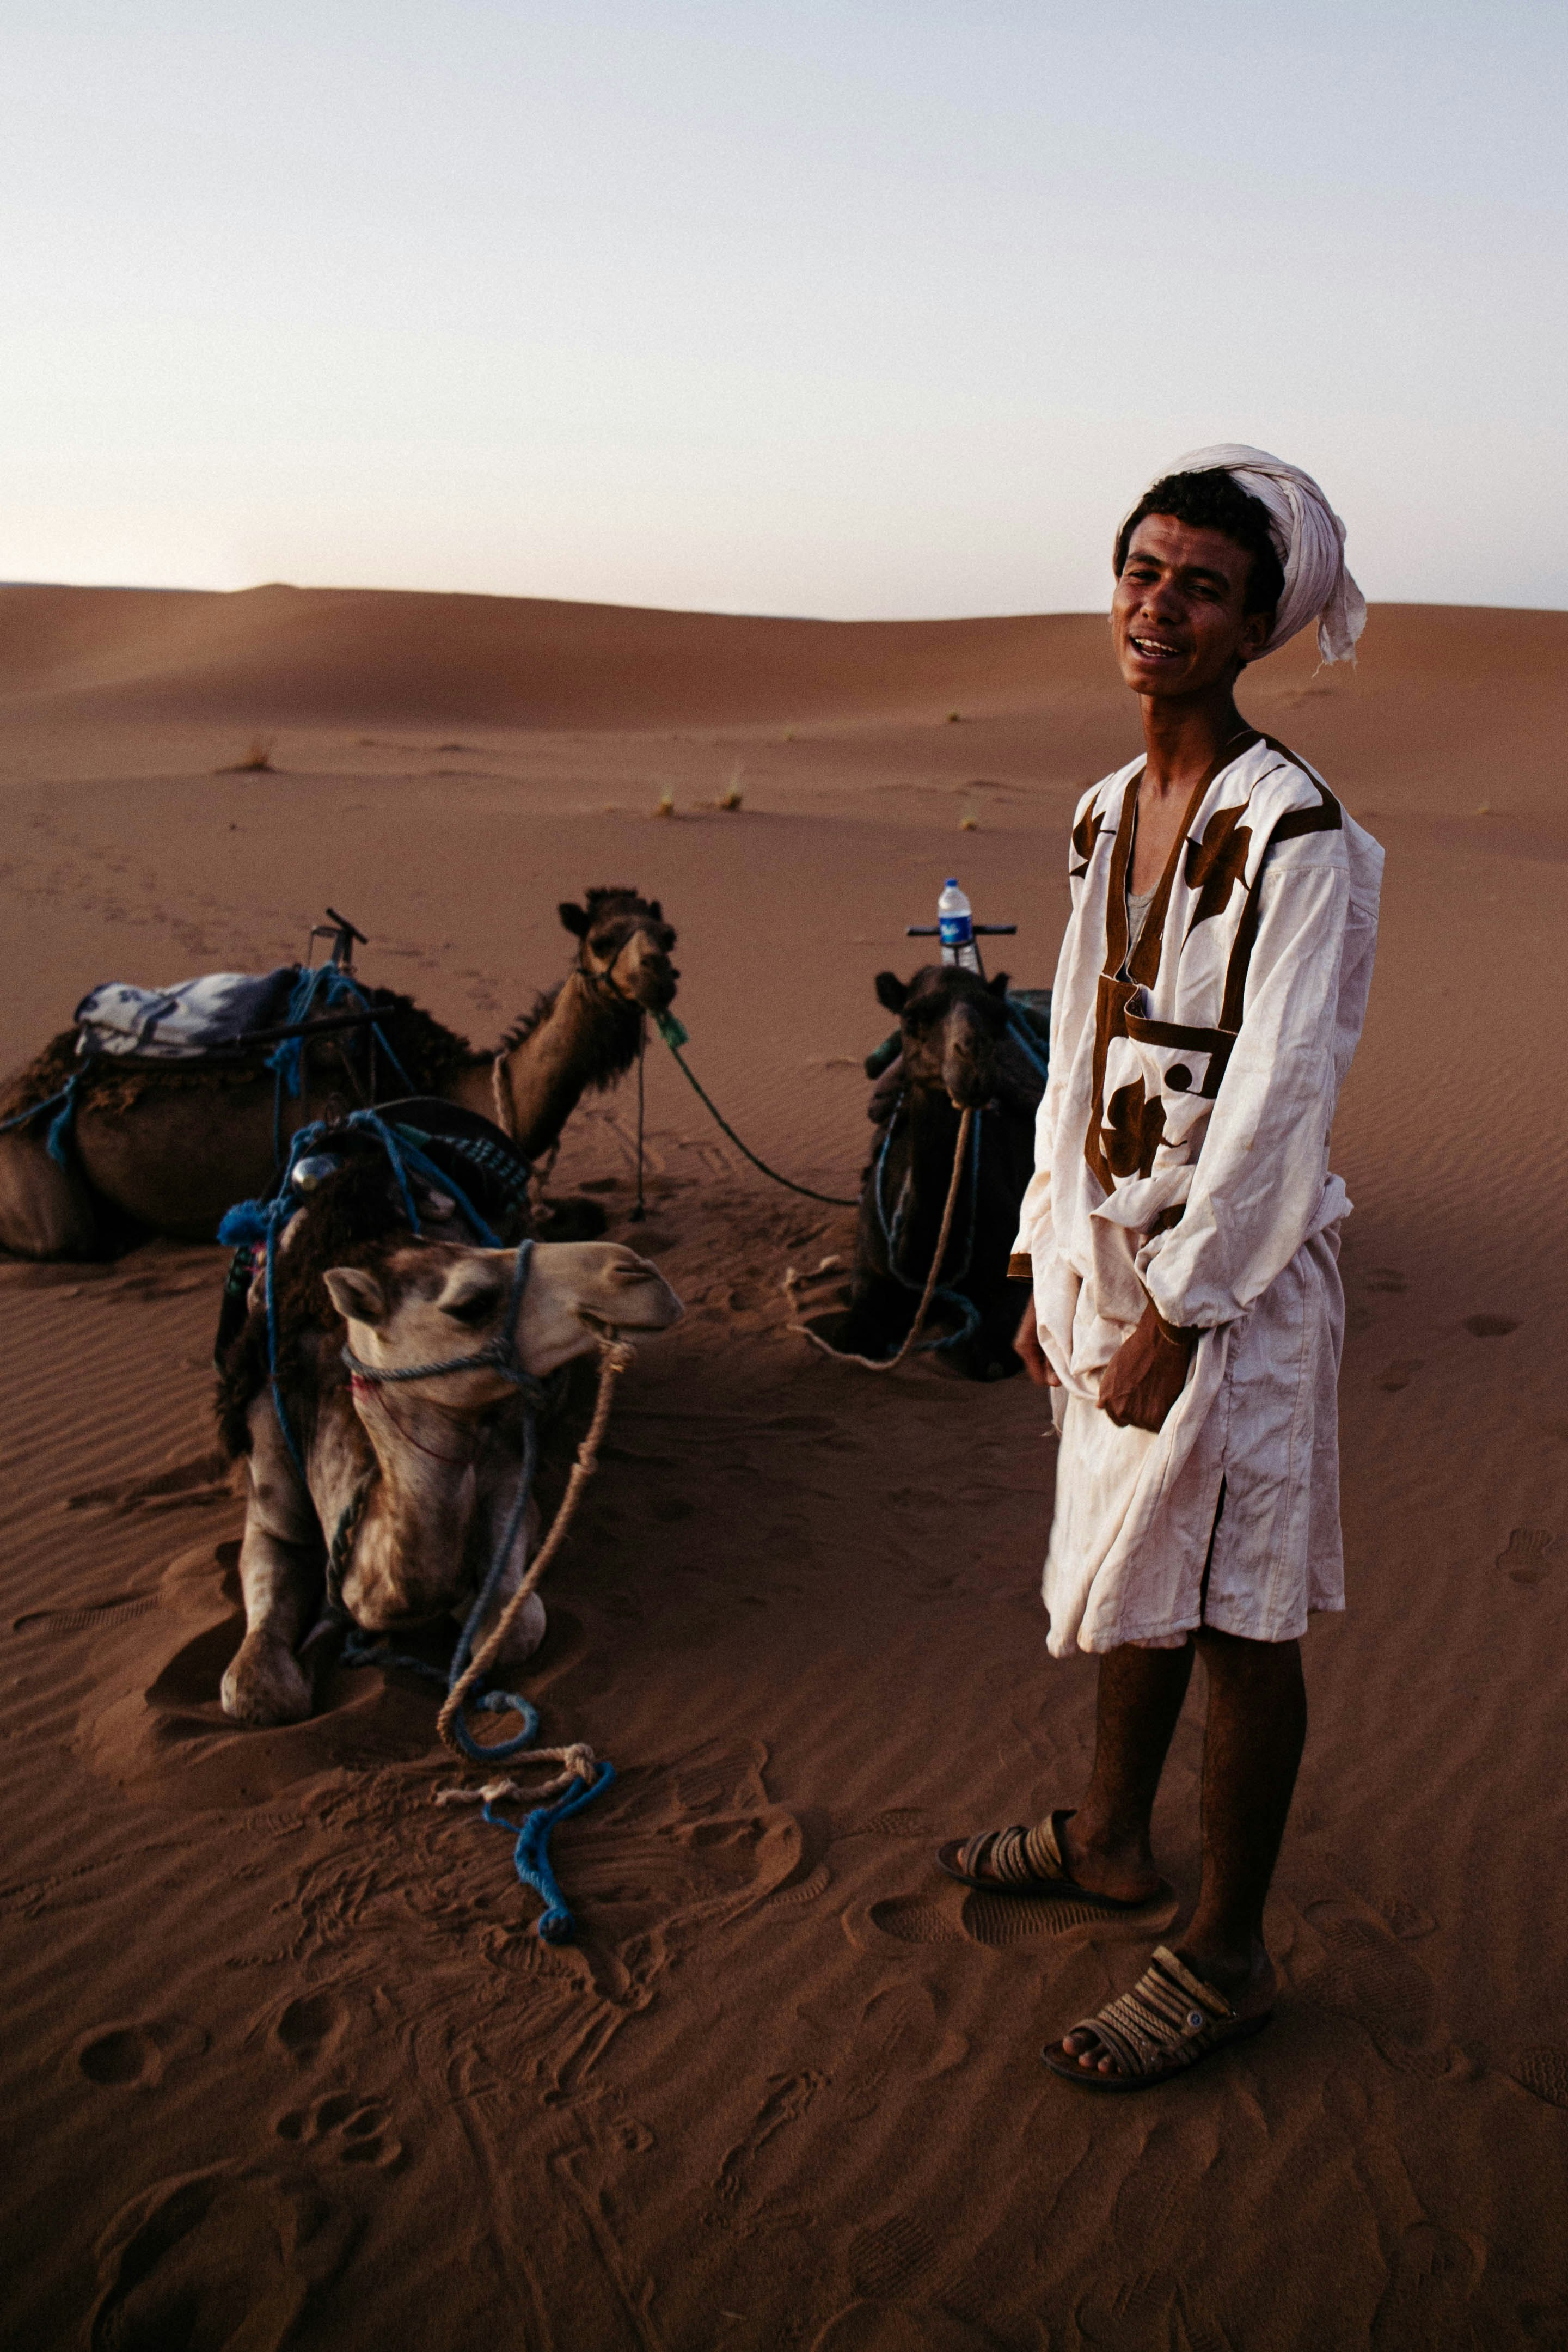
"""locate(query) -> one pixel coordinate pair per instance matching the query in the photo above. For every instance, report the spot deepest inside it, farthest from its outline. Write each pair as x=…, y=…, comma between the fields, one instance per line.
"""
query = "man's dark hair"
x=1214, y=500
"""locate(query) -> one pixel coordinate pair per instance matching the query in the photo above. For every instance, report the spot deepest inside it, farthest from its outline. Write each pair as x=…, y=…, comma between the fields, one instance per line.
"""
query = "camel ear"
x=656, y=909
x=891, y=991
x=573, y=918
x=357, y=1295
x=998, y=983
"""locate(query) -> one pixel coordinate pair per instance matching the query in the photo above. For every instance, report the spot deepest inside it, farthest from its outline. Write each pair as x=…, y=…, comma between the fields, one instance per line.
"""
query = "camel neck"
x=584, y=1038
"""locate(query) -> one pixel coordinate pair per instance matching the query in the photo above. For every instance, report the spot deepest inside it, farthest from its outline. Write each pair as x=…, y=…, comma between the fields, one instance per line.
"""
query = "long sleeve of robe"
x=1182, y=1157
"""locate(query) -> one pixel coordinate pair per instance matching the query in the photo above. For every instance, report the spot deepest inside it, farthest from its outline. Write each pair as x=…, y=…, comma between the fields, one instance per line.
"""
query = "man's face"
x=1176, y=618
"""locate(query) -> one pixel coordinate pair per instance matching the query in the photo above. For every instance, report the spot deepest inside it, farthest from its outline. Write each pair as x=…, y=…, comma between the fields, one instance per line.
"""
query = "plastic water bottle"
x=955, y=926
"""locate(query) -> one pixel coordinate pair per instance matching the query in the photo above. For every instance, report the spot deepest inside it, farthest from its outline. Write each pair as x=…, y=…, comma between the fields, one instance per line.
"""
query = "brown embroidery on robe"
x=1217, y=863
x=1085, y=834
x=1327, y=817
x=1133, y=1131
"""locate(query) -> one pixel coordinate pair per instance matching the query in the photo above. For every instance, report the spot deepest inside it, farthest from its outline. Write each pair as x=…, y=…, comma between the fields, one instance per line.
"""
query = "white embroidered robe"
x=1181, y=1156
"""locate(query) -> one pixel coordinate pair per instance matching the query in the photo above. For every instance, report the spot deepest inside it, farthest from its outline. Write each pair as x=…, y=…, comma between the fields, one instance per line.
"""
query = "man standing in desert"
x=1182, y=1232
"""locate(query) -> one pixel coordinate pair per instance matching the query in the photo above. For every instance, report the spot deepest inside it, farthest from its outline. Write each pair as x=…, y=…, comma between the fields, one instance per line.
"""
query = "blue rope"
x=58, y=1136
x=531, y=1853
x=1026, y=1037
x=316, y=989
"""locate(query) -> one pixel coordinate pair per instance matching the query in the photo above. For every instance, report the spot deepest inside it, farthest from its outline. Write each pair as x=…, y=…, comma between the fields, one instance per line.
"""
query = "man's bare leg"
x=1106, y=1844
x=1256, y=1730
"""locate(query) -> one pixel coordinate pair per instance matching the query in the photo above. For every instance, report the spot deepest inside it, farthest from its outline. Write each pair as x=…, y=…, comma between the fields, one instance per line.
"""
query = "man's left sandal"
x=1169, y=2022
x=1022, y=1861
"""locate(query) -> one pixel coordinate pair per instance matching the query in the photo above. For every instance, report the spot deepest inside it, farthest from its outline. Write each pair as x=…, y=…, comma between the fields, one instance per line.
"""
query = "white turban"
x=1309, y=538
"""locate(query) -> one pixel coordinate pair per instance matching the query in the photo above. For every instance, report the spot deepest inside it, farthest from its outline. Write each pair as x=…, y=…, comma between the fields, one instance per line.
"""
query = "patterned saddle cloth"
x=185, y=1023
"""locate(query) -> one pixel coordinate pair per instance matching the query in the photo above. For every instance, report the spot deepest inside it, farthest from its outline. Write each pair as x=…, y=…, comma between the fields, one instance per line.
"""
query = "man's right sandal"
x=1022, y=1861
x=1170, y=2021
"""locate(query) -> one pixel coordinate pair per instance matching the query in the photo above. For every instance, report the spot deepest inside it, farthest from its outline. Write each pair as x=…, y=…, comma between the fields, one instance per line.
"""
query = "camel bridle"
x=605, y=979
x=499, y=1354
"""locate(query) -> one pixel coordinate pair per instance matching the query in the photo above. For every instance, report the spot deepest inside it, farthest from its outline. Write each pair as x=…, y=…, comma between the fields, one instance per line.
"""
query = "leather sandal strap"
x=1043, y=1849
x=1169, y=2021
x=1018, y=1856
x=992, y=1855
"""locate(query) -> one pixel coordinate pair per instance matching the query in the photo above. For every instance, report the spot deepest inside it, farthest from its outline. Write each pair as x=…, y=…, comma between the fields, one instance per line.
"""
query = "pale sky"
x=859, y=308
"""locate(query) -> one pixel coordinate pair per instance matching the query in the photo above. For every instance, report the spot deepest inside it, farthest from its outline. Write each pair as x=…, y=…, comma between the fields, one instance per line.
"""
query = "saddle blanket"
x=183, y=1024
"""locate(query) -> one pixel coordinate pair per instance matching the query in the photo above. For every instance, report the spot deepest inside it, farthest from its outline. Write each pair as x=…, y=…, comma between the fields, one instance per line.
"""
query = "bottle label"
x=955, y=931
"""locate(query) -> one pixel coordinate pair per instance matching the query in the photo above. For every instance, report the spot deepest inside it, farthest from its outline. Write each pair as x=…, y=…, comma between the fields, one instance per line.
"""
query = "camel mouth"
x=603, y=1329
x=658, y=990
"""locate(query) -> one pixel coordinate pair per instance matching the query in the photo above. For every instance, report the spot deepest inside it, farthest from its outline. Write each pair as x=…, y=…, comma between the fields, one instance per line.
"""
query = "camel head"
x=431, y=1301
x=625, y=944
x=951, y=1026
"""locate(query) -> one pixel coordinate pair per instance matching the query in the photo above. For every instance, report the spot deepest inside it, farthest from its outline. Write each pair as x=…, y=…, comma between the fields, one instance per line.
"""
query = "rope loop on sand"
x=892, y=1363
x=614, y=1357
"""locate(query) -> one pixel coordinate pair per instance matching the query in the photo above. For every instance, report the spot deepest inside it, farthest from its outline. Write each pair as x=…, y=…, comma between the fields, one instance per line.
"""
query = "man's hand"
x=1028, y=1348
x=1146, y=1375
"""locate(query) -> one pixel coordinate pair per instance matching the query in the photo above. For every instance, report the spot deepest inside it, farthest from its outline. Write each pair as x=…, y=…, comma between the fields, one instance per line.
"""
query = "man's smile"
x=1155, y=648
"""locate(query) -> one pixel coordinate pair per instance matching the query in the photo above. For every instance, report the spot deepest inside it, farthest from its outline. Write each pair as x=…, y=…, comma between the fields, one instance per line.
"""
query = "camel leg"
x=45, y=1211
x=280, y=1577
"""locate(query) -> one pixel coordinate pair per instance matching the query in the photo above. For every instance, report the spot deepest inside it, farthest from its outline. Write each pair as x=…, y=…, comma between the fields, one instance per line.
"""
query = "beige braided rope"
x=502, y=1095
x=615, y=1355
x=892, y=1363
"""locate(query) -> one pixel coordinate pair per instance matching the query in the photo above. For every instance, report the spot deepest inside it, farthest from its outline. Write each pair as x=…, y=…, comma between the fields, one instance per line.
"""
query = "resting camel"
x=431, y=1465
x=166, y=1147
x=956, y=1052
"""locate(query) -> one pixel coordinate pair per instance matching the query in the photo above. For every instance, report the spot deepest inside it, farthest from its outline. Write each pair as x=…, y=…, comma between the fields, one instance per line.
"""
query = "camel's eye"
x=475, y=1308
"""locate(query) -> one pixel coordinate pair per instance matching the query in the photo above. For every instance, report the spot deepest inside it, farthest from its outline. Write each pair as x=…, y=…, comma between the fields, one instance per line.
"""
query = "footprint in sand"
x=785, y=2099
x=893, y=2256
x=1399, y=1374
x=1434, y=2276
x=914, y=1919
x=311, y=2027
x=1383, y=1278
x=347, y=2128
x=996, y=1920
x=808, y=1890
x=86, y=1621
x=1370, y=1978
x=900, y=1821
x=875, y=2325
x=1544, y=2073
x=222, y=2261
x=1490, y=1327
x=183, y=1485
x=1524, y=1557
x=137, y=2055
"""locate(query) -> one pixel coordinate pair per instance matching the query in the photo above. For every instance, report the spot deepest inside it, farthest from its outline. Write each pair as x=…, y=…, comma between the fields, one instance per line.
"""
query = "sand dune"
x=285, y=2057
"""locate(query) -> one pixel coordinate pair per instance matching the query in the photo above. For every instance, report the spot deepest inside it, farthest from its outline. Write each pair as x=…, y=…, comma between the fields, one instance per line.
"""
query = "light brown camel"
x=166, y=1147
x=430, y=1466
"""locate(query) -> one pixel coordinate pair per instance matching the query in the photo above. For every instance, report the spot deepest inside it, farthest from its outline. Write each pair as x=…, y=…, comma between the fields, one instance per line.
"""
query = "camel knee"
x=45, y=1211
x=265, y=1683
x=524, y=1634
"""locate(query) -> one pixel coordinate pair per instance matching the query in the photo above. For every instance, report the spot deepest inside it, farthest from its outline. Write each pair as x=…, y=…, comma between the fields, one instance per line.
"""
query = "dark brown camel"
x=956, y=1052
x=166, y=1147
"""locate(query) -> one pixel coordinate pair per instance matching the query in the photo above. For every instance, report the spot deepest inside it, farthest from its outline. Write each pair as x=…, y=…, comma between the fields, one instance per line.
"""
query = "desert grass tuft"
x=732, y=796
x=667, y=803
x=258, y=760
